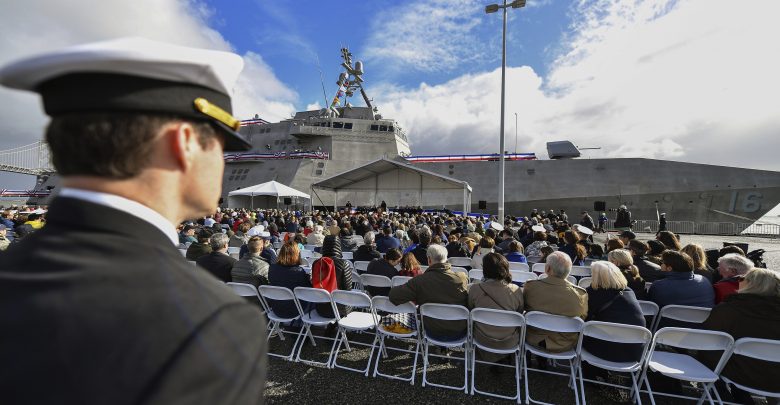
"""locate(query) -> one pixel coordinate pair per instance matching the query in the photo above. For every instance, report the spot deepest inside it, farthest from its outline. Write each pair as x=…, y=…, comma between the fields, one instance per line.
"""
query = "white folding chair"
x=571, y=280
x=192, y=262
x=682, y=313
x=423, y=268
x=445, y=312
x=355, y=321
x=761, y=349
x=183, y=252
x=584, y=282
x=357, y=284
x=519, y=266
x=552, y=323
x=399, y=280
x=649, y=309
x=244, y=290
x=383, y=304
x=233, y=252
x=682, y=366
x=614, y=333
x=346, y=256
x=460, y=270
x=313, y=318
x=275, y=321
x=459, y=261
x=580, y=271
x=476, y=275
x=310, y=247
x=373, y=280
x=538, y=268
x=522, y=276
x=647, y=287
x=306, y=262
x=305, y=254
x=502, y=319
x=361, y=266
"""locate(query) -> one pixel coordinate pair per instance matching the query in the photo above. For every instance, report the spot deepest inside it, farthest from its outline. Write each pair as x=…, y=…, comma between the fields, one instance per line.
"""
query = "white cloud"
x=687, y=80
x=428, y=36
x=34, y=26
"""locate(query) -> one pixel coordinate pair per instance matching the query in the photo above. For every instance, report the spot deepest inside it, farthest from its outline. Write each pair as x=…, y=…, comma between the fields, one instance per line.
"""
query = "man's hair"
x=495, y=266
x=425, y=237
x=678, y=261
x=111, y=145
x=559, y=264
x=740, y=264
x=218, y=241
x=255, y=244
x=369, y=238
x=515, y=246
x=436, y=254
x=638, y=247
x=392, y=254
x=487, y=243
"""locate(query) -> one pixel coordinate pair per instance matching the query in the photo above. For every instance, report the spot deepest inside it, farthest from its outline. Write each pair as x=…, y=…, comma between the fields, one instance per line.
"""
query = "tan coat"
x=555, y=296
x=495, y=294
x=440, y=285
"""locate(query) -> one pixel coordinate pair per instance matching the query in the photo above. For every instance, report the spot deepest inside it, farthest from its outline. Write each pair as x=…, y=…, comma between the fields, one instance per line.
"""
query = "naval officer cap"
x=135, y=75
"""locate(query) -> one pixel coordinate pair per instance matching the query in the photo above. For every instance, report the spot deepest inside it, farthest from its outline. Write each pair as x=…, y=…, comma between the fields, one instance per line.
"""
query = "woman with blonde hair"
x=625, y=262
x=754, y=311
x=609, y=300
x=700, y=267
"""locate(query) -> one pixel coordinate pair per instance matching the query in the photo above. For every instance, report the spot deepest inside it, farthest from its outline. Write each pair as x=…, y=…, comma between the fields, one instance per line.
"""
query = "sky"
x=686, y=80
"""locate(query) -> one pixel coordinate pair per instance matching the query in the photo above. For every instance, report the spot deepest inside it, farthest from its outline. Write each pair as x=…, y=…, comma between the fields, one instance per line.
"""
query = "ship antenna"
x=322, y=81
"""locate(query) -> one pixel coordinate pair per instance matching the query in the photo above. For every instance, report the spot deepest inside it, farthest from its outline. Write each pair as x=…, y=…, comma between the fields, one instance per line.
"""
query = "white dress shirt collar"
x=131, y=207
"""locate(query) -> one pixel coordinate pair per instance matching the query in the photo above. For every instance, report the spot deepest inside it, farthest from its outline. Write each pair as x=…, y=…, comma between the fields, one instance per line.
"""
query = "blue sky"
x=638, y=78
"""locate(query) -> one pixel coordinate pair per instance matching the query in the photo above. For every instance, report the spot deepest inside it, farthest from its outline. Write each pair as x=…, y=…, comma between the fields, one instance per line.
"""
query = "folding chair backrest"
x=571, y=279
x=310, y=247
x=460, y=270
x=423, y=268
x=356, y=279
x=305, y=254
x=522, y=276
x=244, y=290
x=519, y=266
x=683, y=313
x=497, y=317
x=306, y=262
x=694, y=339
x=234, y=250
x=309, y=294
x=553, y=323
x=276, y=293
x=445, y=312
x=373, y=280
x=361, y=265
x=460, y=261
x=346, y=255
x=382, y=303
x=649, y=308
x=538, y=268
x=584, y=282
x=476, y=274
x=617, y=332
x=353, y=299
x=399, y=280
x=580, y=271
x=762, y=349
x=183, y=252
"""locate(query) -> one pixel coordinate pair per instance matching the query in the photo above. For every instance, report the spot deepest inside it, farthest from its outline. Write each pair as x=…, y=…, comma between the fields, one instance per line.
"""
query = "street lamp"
x=492, y=9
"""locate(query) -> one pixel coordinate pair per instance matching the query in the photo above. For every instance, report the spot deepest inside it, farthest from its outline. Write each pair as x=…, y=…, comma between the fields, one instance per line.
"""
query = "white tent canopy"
x=397, y=182
x=269, y=192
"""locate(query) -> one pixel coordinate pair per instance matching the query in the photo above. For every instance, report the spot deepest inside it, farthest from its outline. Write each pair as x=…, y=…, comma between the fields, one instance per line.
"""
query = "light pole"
x=492, y=9
x=515, y=132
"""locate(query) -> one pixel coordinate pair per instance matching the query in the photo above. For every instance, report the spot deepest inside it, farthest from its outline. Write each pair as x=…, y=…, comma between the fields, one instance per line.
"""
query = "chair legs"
x=466, y=363
x=307, y=333
x=342, y=338
x=382, y=352
x=276, y=328
x=518, y=364
x=572, y=384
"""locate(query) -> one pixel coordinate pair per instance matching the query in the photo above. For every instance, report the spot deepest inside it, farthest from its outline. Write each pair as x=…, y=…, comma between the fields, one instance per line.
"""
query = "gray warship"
x=314, y=145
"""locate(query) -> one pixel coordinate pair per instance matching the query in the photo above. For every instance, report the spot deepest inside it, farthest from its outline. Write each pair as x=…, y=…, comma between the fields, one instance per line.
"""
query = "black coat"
x=623, y=309
x=218, y=265
x=287, y=277
x=380, y=267
x=366, y=253
x=649, y=271
x=99, y=307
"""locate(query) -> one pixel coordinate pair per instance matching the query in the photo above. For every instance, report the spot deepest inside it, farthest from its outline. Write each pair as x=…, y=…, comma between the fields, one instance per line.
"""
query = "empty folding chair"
x=502, y=319
x=580, y=271
x=356, y=283
x=361, y=266
x=409, y=312
x=522, y=276
x=552, y=323
x=761, y=349
x=313, y=318
x=376, y=281
x=346, y=256
x=399, y=280
x=460, y=261
x=275, y=321
x=461, y=270
x=476, y=275
x=445, y=312
x=682, y=366
x=538, y=268
x=519, y=266
x=650, y=311
x=584, y=282
x=614, y=333
x=684, y=315
x=244, y=290
x=355, y=321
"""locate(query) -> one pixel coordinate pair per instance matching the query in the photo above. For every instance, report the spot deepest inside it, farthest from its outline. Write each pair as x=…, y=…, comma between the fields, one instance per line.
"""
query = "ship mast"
x=349, y=81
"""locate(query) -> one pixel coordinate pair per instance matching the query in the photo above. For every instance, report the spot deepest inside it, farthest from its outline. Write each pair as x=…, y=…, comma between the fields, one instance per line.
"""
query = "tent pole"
x=336, y=201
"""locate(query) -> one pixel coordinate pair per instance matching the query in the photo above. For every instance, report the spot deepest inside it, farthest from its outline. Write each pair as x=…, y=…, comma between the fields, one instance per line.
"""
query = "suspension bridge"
x=33, y=159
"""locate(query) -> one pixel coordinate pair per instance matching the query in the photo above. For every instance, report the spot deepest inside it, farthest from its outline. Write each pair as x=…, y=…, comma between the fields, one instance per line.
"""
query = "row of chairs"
x=673, y=364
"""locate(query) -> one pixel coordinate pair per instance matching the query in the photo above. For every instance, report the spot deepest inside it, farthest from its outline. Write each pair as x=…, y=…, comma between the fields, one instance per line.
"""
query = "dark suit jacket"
x=99, y=307
x=218, y=264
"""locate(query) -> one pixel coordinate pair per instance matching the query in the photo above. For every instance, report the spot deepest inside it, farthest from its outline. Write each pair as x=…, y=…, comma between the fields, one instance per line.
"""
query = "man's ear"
x=181, y=139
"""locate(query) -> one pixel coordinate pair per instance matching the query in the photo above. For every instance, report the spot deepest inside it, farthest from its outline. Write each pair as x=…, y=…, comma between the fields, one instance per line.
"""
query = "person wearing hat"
x=4, y=242
x=103, y=307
